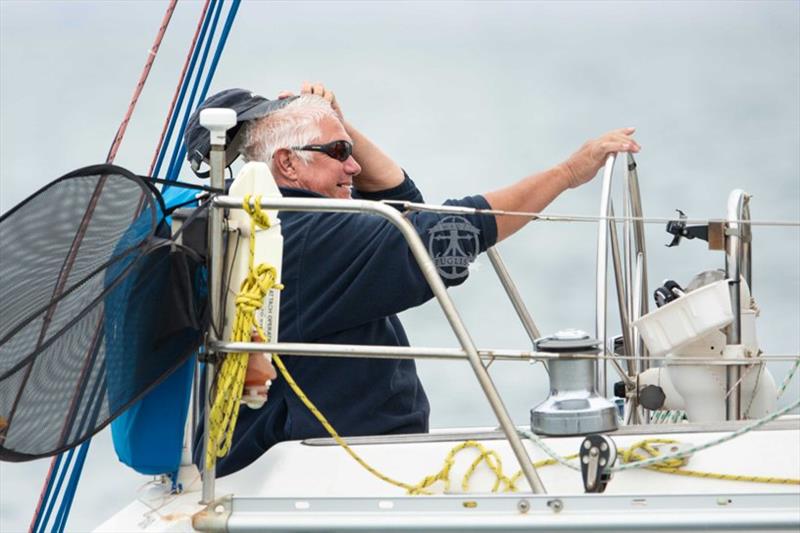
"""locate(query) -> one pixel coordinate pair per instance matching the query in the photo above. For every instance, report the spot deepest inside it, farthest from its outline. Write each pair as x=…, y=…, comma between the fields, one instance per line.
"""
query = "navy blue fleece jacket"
x=346, y=276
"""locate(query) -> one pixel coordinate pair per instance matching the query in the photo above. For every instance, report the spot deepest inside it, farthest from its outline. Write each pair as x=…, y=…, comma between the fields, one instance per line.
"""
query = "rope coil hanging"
x=231, y=376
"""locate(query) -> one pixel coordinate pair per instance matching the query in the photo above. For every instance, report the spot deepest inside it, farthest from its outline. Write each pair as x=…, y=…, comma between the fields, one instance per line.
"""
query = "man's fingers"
x=617, y=146
x=285, y=94
x=305, y=88
x=622, y=139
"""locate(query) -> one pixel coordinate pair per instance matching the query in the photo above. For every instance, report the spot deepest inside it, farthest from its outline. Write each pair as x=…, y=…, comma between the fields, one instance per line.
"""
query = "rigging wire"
x=178, y=158
x=175, y=160
x=57, y=463
x=180, y=92
x=151, y=57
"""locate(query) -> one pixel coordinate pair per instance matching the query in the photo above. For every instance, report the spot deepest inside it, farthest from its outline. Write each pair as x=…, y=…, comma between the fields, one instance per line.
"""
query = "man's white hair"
x=297, y=124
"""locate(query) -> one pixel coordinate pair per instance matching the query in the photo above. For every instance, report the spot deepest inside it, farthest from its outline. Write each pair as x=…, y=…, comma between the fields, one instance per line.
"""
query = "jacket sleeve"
x=357, y=268
x=406, y=192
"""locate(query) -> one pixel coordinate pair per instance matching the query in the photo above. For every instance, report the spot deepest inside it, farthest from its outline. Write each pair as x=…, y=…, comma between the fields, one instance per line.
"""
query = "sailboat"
x=313, y=485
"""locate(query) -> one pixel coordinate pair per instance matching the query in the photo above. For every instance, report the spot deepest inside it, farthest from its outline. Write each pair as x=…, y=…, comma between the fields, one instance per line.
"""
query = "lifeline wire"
x=412, y=206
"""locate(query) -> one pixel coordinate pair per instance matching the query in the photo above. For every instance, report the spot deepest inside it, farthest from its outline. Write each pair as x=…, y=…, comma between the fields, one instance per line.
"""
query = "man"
x=346, y=276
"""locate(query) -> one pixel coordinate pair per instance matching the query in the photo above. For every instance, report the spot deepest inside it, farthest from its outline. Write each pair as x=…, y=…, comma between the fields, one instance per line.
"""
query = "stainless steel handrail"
x=737, y=265
x=513, y=294
x=455, y=354
x=216, y=307
x=431, y=274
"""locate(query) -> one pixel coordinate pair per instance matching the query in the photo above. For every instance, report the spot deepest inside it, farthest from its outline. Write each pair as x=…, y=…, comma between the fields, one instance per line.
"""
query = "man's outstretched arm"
x=535, y=192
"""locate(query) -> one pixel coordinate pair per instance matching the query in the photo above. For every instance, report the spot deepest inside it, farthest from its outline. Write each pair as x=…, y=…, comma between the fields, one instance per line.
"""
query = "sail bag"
x=97, y=307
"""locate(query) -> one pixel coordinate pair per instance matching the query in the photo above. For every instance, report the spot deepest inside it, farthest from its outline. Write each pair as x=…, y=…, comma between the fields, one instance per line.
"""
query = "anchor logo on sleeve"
x=453, y=244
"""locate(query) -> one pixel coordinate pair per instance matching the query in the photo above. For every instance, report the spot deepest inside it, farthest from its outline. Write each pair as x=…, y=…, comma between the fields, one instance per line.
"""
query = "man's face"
x=324, y=174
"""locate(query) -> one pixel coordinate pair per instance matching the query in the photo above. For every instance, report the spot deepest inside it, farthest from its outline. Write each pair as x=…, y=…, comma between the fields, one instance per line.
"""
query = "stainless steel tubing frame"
x=737, y=265
x=452, y=354
x=624, y=319
x=639, y=265
x=602, y=279
x=439, y=290
x=513, y=294
x=215, y=260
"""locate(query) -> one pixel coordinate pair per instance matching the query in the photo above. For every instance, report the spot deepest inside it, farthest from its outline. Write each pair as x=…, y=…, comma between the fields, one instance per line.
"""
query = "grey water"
x=468, y=97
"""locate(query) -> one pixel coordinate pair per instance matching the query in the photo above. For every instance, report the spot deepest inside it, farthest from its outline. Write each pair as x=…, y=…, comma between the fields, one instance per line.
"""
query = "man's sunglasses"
x=339, y=150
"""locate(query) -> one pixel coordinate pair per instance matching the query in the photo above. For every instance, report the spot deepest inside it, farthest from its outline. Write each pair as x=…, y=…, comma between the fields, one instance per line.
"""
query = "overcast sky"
x=467, y=97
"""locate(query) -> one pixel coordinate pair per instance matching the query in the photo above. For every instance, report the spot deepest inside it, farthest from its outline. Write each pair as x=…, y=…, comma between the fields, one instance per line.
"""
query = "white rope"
x=677, y=455
x=534, y=438
x=788, y=378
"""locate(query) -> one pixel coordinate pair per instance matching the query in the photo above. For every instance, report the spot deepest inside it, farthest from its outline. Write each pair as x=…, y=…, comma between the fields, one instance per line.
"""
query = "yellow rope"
x=230, y=378
x=411, y=489
x=675, y=465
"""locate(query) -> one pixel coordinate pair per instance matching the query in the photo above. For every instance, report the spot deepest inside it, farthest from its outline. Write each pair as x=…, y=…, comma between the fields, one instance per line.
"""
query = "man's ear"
x=283, y=161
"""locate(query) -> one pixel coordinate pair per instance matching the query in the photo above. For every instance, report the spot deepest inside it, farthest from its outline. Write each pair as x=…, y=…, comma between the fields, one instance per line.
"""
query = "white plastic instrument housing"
x=686, y=319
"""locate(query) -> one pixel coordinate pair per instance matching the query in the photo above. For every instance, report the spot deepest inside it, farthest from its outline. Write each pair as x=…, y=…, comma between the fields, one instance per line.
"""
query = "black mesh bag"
x=97, y=306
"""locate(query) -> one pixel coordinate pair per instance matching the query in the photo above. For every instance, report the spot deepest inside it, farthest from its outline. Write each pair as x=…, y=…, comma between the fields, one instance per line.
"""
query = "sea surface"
x=468, y=97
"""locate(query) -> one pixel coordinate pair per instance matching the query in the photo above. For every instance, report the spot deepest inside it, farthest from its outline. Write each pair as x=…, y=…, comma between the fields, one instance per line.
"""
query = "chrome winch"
x=574, y=407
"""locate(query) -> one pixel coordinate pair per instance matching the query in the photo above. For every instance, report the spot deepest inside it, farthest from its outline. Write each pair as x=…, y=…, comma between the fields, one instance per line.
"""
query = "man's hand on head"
x=319, y=90
x=584, y=164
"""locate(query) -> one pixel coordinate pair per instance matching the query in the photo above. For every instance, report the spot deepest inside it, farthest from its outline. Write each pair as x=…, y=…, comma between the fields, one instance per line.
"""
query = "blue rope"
x=175, y=161
x=226, y=29
x=52, y=502
x=47, y=492
x=178, y=162
x=72, y=486
x=182, y=94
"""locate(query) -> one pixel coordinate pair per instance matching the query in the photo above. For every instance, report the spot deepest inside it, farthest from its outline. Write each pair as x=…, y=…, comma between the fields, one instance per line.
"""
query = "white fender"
x=254, y=179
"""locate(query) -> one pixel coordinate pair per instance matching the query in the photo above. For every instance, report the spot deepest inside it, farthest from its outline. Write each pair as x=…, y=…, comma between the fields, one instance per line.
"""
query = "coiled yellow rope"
x=675, y=465
x=230, y=378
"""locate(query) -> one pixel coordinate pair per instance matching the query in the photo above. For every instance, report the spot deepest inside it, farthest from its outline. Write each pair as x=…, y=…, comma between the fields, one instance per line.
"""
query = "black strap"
x=183, y=185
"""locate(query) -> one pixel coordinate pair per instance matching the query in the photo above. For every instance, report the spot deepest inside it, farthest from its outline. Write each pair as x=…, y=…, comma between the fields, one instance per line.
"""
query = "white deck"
x=314, y=485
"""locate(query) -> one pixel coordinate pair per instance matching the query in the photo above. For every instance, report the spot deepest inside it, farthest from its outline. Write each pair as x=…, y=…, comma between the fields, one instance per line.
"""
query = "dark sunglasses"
x=339, y=150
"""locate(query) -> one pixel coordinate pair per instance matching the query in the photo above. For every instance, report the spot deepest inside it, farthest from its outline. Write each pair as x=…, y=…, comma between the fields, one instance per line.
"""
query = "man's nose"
x=351, y=166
